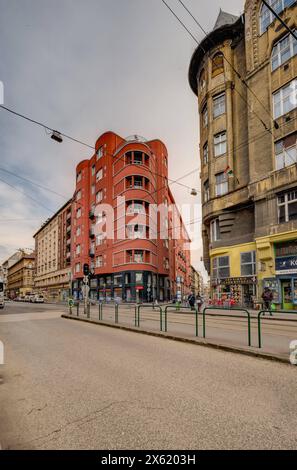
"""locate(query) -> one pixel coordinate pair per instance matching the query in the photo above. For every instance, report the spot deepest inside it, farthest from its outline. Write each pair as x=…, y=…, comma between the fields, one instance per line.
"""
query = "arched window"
x=267, y=17
x=217, y=64
x=202, y=80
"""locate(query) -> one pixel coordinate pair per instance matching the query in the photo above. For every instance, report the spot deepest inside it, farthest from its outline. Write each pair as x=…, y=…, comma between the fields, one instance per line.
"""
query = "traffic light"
x=86, y=269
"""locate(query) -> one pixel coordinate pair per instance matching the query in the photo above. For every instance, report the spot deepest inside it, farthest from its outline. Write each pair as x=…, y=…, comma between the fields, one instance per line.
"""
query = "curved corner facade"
x=244, y=74
x=117, y=230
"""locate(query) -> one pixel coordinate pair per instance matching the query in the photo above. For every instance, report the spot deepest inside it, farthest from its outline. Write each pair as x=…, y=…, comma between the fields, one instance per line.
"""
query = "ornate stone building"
x=244, y=74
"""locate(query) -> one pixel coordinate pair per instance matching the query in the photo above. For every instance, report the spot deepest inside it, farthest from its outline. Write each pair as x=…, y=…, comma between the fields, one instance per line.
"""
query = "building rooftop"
x=224, y=19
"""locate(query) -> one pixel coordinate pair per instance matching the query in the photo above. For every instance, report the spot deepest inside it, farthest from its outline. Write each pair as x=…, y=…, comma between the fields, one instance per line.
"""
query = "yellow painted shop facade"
x=242, y=271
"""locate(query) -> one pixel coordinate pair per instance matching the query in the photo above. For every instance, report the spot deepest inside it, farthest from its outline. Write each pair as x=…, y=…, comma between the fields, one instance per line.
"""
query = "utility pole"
x=280, y=19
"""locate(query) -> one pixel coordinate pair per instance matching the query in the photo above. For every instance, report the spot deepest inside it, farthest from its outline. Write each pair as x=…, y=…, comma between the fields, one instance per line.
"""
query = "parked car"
x=37, y=299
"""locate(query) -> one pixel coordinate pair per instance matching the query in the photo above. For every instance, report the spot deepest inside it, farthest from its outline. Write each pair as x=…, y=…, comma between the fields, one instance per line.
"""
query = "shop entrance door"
x=287, y=295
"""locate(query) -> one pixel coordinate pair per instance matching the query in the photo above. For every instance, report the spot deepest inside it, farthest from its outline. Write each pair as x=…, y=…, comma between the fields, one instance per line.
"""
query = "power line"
x=280, y=19
x=27, y=195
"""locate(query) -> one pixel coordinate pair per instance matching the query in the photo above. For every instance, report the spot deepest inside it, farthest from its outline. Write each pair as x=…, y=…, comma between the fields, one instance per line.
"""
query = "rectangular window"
x=205, y=116
x=77, y=267
x=78, y=195
x=99, y=197
x=78, y=249
x=93, y=170
x=286, y=152
x=99, y=261
x=219, y=105
x=78, y=177
x=287, y=206
x=205, y=154
x=206, y=191
x=221, y=184
x=99, y=153
x=99, y=174
x=248, y=263
x=78, y=231
x=283, y=51
x=215, y=233
x=285, y=99
x=220, y=267
x=220, y=144
x=93, y=189
x=78, y=213
x=138, y=256
x=99, y=239
x=139, y=278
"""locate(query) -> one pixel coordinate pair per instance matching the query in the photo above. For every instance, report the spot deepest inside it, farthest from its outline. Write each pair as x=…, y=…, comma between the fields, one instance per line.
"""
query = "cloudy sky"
x=85, y=67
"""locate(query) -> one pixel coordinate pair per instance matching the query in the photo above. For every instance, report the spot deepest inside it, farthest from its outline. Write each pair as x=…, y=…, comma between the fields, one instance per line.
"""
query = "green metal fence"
x=177, y=309
x=225, y=315
x=260, y=316
x=137, y=314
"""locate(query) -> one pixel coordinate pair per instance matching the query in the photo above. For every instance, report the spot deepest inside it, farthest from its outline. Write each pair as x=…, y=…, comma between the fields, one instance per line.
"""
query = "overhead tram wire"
x=293, y=33
x=267, y=129
x=48, y=128
x=228, y=61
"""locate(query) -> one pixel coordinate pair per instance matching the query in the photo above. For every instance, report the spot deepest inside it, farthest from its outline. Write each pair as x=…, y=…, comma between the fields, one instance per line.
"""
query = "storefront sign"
x=286, y=265
x=239, y=280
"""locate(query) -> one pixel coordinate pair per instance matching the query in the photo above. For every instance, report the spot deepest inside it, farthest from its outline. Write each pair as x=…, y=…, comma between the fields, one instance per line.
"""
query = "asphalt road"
x=72, y=385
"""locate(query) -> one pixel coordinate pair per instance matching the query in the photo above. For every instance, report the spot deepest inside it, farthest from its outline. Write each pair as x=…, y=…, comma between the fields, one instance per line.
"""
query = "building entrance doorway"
x=287, y=295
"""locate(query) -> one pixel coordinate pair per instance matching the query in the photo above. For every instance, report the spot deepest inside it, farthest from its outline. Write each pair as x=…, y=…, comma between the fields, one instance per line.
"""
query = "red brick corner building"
x=136, y=266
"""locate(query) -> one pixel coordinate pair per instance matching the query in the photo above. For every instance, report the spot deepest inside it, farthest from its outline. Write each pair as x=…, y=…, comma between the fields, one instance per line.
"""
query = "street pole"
x=86, y=290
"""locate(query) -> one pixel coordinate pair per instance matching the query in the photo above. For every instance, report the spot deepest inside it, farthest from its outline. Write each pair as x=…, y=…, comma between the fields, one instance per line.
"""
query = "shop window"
x=248, y=263
x=267, y=17
x=220, y=267
x=283, y=50
x=221, y=184
x=215, y=233
x=284, y=100
x=286, y=152
x=219, y=105
x=217, y=64
x=220, y=144
x=117, y=280
x=287, y=206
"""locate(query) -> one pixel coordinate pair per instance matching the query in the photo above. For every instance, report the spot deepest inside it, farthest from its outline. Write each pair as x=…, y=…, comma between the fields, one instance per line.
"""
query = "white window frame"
x=251, y=263
x=287, y=43
x=289, y=198
x=99, y=196
x=219, y=105
x=287, y=95
x=99, y=261
x=205, y=153
x=215, y=233
x=205, y=116
x=206, y=191
x=220, y=144
x=99, y=174
x=78, y=213
x=285, y=156
x=219, y=263
x=222, y=187
x=100, y=153
x=278, y=6
x=77, y=268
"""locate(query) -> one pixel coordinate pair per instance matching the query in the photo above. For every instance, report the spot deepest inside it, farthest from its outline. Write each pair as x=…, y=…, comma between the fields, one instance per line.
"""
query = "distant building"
x=196, y=282
x=128, y=261
x=53, y=255
x=9, y=263
x=20, y=275
x=249, y=173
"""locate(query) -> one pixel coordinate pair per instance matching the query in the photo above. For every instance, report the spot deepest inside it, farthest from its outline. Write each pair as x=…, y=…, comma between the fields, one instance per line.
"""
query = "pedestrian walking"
x=199, y=302
x=191, y=300
x=267, y=297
